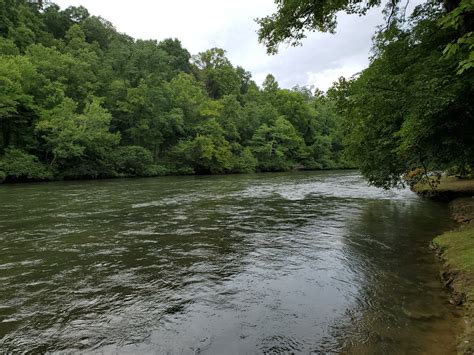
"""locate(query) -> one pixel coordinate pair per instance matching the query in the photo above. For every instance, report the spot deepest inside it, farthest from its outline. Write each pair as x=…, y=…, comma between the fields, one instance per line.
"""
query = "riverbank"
x=448, y=189
x=456, y=250
x=162, y=173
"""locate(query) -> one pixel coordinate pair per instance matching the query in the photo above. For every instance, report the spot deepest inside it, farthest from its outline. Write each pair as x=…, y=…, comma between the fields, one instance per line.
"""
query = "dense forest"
x=78, y=99
x=409, y=115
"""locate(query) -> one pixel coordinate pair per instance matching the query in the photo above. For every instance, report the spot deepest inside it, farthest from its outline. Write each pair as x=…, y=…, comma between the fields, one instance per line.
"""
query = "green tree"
x=80, y=100
x=17, y=165
x=207, y=153
x=409, y=109
x=18, y=111
x=294, y=18
x=132, y=160
x=277, y=147
x=79, y=144
x=179, y=56
x=218, y=74
x=187, y=94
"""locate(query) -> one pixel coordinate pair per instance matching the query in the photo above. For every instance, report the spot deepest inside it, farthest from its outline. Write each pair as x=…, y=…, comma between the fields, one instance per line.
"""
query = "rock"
x=420, y=312
x=456, y=299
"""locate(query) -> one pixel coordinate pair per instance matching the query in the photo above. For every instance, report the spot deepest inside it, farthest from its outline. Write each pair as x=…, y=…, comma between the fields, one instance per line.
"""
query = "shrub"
x=133, y=160
x=18, y=165
x=156, y=170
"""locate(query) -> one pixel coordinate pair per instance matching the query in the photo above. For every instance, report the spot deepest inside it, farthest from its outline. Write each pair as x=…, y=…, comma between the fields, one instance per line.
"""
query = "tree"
x=132, y=160
x=270, y=85
x=229, y=117
x=98, y=30
x=293, y=106
x=187, y=94
x=218, y=74
x=277, y=147
x=75, y=74
x=295, y=17
x=17, y=107
x=17, y=165
x=409, y=109
x=207, y=153
x=80, y=100
x=57, y=22
x=70, y=138
x=179, y=56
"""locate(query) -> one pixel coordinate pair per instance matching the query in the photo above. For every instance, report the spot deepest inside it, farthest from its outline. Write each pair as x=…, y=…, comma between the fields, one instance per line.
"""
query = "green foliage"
x=460, y=20
x=218, y=74
x=8, y=47
x=17, y=165
x=295, y=17
x=208, y=152
x=132, y=160
x=409, y=109
x=80, y=100
x=69, y=136
x=18, y=80
x=244, y=161
x=277, y=147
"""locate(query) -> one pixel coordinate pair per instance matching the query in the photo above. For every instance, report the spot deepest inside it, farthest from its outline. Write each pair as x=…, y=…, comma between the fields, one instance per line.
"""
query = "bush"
x=18, y=165
x=156, y=170
x=2, y=176
x=133, y=160
x=85, y=169
x=245, y=162
x=184, y=170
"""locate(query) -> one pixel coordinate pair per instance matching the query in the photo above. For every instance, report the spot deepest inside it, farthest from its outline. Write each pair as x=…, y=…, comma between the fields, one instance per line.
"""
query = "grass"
x=456, y=248
x=457, y=252
x=448, y=184
x=448, y=188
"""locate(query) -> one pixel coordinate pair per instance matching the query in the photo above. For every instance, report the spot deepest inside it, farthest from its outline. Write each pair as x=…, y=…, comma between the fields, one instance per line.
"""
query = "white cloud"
x=324, y=79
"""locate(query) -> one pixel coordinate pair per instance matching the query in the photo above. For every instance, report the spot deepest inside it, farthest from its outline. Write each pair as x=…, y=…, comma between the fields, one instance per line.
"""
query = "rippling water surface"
x=265, y=263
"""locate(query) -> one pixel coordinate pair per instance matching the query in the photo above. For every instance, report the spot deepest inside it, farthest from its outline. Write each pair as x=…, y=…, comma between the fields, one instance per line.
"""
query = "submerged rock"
x=421, y=311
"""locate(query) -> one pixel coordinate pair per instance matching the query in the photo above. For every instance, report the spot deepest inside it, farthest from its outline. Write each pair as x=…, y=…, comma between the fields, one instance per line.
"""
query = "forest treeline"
x=78, y=99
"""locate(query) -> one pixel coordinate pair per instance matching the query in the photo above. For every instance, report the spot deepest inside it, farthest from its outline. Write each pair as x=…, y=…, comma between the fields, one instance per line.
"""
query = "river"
x=262, y=263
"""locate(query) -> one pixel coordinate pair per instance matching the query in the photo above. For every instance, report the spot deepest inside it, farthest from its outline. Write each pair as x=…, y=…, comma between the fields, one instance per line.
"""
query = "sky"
x=230, y=25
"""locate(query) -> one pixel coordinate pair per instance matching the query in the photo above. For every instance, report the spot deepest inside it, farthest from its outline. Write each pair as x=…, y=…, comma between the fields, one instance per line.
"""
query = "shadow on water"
x=265, y=263
x=401, y=304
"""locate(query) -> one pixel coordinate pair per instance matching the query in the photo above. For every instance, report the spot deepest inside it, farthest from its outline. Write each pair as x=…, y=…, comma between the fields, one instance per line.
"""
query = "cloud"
x=204, y=24
x=324, y=79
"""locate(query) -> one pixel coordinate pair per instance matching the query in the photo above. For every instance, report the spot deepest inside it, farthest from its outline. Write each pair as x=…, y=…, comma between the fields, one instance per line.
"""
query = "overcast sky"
x=204, y=24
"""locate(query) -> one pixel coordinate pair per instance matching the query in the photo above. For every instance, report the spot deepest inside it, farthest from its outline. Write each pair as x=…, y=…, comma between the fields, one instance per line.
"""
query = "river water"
x=264, y=263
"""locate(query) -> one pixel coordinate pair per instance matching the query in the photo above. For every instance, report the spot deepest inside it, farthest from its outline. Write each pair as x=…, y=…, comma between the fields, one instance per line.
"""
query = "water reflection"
x=259, y=263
